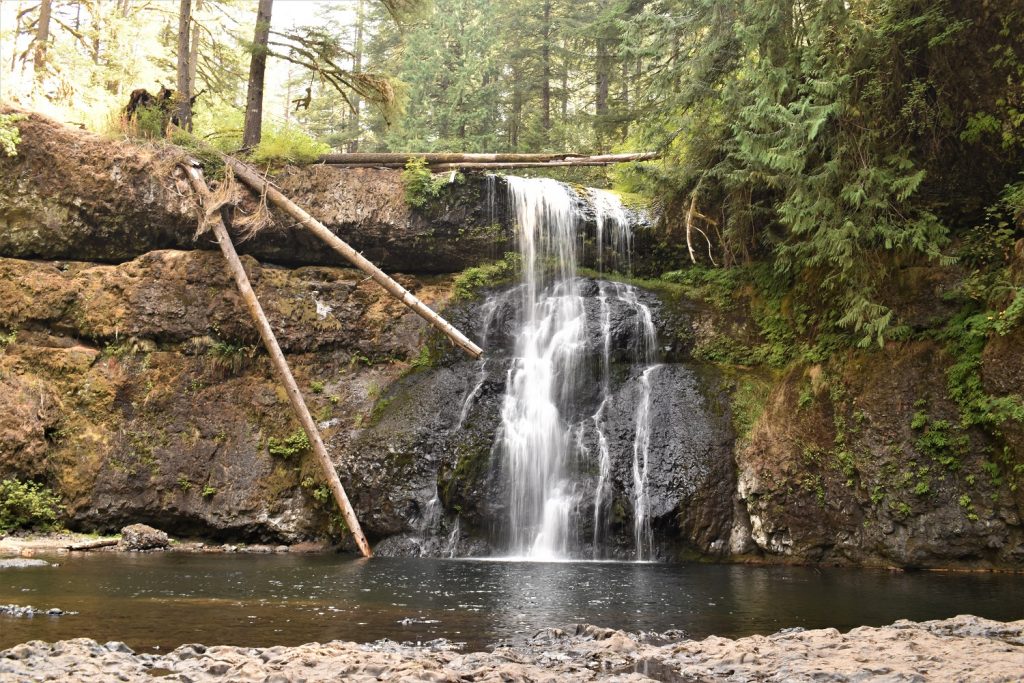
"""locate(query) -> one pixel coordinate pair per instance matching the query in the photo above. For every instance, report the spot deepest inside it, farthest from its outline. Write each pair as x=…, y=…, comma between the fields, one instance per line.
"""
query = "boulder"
x=142, y=537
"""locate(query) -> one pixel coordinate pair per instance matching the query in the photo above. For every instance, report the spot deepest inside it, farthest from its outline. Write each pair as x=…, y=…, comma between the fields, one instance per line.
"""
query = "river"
x=161, y=600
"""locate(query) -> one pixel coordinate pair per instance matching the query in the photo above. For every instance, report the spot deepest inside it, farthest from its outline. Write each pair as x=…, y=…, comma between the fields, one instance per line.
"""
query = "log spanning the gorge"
x=447, y=161
x=277, y=359
x=257, y=183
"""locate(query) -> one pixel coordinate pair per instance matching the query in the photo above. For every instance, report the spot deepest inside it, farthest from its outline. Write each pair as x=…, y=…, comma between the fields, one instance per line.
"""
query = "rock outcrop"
x=141, y=393
x=73, y=195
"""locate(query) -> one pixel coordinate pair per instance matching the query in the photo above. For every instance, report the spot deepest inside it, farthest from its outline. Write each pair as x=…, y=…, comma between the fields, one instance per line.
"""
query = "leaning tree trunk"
x=184, y=88
x=257, y=71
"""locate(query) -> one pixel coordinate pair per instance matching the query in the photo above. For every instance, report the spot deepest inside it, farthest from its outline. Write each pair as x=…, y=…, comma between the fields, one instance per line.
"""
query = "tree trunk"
x=257, y=71
x=399, y=159
x=545, y=93
x=517, y=111
x=41, y=40
x=602, y=78
x=193, y=55
x=565, y=82
x=280, y=365
x=357, y=67
x=184, y=54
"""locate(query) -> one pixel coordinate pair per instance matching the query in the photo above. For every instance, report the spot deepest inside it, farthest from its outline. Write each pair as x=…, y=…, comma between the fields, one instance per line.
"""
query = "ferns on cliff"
x=821, y=133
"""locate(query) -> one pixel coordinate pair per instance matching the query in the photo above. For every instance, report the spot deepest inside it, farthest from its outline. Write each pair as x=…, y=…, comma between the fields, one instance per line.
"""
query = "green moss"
x=294, y=444
x=467, y=283
x=421, y=185
x=378, y=411
x=749, y=398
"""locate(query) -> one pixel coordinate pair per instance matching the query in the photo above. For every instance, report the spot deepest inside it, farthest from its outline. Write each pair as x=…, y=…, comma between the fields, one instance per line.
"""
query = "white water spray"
x=535, y=439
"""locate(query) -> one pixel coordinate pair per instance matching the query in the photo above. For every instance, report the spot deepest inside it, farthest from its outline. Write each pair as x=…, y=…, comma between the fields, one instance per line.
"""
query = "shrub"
x=420, y=184
x=10, y=135
x=27, y=505
x=288, y=145
x=472, y=279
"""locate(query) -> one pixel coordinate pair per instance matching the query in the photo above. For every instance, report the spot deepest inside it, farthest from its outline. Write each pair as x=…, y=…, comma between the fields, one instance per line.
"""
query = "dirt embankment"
x=69, y=194
x=959, y=649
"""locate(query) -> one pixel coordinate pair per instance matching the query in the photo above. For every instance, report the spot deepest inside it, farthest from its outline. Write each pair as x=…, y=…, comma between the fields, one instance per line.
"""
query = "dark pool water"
x=164, y=600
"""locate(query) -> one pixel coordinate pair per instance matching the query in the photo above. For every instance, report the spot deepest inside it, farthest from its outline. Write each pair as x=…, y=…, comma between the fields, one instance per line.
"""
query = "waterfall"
x=550, y=455
x=612, y=228
x=535, y=438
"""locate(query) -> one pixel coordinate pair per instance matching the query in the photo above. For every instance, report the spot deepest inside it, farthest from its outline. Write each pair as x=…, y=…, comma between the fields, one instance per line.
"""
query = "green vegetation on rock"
x=10, y=136
x=295, y=443
x=27, y=505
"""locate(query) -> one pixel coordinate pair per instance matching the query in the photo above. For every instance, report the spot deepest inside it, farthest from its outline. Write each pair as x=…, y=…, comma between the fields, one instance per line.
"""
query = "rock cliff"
x=132, y=382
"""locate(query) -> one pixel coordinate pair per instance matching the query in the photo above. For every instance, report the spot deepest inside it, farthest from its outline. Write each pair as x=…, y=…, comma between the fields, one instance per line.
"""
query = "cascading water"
x=535, y=438
x=550, y=453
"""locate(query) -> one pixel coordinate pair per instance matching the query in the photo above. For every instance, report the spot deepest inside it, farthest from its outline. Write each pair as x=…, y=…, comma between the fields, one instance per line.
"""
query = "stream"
x=161, y=600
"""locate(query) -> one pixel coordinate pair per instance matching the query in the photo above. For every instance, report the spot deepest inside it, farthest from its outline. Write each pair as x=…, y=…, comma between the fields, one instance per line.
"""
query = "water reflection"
x=167, y=599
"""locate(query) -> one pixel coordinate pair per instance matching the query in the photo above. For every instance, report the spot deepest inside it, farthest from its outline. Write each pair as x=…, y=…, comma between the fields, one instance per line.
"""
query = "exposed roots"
x=228, y=194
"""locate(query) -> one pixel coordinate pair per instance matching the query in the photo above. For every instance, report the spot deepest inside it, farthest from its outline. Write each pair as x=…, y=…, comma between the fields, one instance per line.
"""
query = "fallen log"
x=448, y=161
x=261, y=186
x=93, y=545
x=280, y=365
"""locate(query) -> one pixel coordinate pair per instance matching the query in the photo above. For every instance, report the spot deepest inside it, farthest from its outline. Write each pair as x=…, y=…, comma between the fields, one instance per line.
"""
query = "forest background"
x=813, y=148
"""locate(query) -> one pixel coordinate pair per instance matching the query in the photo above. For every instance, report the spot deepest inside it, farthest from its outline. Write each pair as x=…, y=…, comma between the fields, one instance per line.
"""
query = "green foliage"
x=966, y=336
x=27, y=505
x=717, y=286
x=287, y=145
x=420, y=184
x=295, y=443
x=209, y=491
x=316, y=386
x=229, y=357
x=823, y=135
x=321, y=494
x=468, y=283
x=10, y=135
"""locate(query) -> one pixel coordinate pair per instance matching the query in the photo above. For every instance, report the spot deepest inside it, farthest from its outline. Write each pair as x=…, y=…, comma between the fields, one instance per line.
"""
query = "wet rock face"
x=442, y=429
x=140, y=394
x=863, y=463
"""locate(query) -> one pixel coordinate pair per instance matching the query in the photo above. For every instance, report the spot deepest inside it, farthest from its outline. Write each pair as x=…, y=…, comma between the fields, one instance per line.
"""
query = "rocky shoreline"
x=957, y=649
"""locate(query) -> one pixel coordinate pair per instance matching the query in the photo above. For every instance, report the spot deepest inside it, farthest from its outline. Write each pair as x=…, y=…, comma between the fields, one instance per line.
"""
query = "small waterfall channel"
x=551, y=455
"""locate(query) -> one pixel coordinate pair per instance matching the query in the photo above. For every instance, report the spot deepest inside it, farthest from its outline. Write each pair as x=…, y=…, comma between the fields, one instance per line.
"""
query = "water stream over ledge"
x=166, y=599
x=547, y=464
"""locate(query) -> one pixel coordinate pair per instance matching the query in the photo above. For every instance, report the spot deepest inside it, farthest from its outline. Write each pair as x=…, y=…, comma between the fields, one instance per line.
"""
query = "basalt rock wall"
x=132, y=382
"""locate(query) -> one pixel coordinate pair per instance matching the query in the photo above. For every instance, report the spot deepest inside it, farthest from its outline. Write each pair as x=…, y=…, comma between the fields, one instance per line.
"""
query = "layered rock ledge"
x=957, y=649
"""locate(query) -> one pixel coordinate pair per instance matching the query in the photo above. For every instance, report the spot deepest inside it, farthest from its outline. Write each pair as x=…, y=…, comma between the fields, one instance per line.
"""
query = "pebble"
x=962, y=648
x=30, y=611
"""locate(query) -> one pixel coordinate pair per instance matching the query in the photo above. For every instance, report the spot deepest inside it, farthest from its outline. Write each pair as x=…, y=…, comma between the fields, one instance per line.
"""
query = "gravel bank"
x=959, y=649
